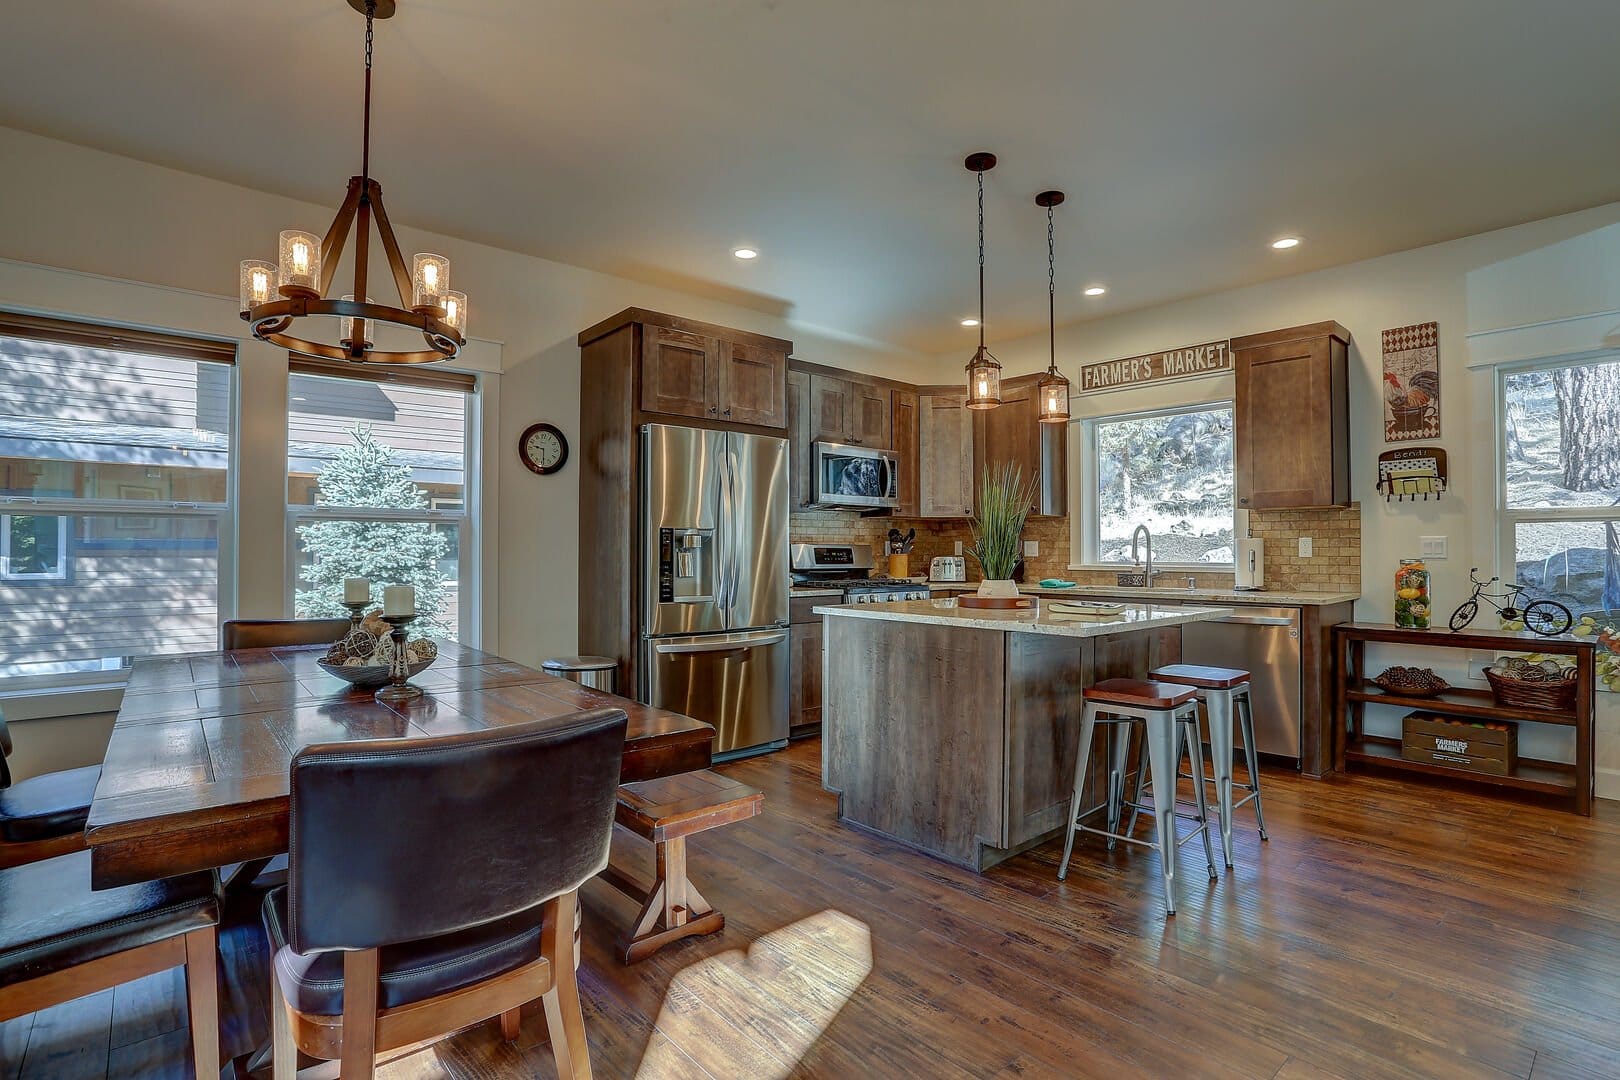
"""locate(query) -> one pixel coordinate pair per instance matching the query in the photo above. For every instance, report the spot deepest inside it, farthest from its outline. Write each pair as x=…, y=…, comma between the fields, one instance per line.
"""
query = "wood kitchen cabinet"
x=805, y=637
x=849, y=411
x=903, y=435
x=798, y=419
x=1012, y=433
x=944, y=465
x=687, y=371
x=1291, y=427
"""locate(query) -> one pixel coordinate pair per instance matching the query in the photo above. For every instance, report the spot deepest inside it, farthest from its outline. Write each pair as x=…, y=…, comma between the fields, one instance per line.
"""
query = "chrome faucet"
x=1146, y=537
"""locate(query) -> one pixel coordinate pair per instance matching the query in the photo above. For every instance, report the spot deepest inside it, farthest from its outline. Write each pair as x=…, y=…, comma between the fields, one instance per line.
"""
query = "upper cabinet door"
x=832, y=409
x=1009, y=434
x=945, y=452
x=903, y=434
x=799, y=438
x=869, y=421
x=753, y=385
x=1291, y=425
x=680, y=374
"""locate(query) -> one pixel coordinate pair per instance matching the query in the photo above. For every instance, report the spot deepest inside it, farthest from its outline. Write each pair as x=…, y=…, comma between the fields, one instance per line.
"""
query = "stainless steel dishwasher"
x=1265, y=642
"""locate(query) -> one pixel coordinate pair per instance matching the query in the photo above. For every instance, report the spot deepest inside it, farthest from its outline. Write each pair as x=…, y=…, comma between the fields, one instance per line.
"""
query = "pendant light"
x=983, y=371
x=279, y=299
x=1052, y=388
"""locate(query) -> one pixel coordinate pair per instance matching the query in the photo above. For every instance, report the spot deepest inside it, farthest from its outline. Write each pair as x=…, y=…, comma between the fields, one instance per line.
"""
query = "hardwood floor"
x=1386, y=930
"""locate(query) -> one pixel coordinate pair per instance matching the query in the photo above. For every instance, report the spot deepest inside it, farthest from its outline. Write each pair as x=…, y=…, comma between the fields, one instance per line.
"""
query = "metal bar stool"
x=1169, y=717
x=1225, y=694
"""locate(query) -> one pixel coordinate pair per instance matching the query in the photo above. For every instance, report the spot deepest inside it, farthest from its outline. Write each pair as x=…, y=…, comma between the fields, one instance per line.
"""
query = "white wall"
x=171, y=241
x=1558, y=269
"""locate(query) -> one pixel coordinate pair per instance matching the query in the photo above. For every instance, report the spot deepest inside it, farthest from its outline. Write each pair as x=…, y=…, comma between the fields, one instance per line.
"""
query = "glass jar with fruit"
x=1412, y=605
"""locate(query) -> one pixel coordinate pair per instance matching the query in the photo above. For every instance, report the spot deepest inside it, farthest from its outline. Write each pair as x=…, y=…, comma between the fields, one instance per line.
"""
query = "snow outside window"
x=1560, y=492
x=377, y=487
x=1170, y=470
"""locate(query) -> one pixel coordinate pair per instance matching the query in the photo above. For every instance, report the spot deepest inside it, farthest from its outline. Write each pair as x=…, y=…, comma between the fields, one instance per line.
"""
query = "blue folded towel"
x=1056, y=583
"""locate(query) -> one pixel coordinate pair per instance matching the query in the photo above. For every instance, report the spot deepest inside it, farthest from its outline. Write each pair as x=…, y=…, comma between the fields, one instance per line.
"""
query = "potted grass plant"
x=1004, y=503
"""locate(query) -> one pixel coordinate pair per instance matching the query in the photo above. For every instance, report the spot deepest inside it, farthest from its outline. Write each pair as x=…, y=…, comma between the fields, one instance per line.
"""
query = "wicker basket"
x=1411, y=682
x=1557, y=695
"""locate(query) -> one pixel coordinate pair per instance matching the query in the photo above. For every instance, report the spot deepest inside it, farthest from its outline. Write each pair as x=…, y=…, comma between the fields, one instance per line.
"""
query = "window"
x=378, y=487
x=114, y=470
x=1560, y=495
x=1169, y=470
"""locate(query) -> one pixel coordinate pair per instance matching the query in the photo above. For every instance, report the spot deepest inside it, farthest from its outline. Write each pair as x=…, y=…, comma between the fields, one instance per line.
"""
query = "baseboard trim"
x=1607, y=785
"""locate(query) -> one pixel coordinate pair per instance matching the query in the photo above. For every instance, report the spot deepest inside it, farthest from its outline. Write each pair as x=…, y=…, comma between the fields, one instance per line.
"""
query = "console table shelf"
x=1354, y=691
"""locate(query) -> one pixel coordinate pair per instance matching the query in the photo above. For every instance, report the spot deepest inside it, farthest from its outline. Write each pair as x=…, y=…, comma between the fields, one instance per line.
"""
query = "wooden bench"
x=665, y=812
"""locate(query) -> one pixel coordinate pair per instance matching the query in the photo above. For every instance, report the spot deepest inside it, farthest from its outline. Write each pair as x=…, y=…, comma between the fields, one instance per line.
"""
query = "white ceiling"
x=647, y=138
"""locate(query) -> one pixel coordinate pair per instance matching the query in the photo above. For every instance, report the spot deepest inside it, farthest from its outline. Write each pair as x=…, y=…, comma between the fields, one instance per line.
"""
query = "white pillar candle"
x=356, y=590
x=399, y=600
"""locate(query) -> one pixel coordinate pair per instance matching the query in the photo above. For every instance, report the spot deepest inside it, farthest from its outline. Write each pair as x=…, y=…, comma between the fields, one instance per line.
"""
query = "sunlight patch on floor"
x=756, y=1012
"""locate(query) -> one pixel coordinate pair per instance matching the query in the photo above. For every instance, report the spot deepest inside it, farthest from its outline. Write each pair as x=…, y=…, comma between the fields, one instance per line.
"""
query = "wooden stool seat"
x=1201, y=676
x=665, y=812
x=1139, y=693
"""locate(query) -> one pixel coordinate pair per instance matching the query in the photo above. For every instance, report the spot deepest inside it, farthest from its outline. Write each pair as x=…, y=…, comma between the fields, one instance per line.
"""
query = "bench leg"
x=673, y=909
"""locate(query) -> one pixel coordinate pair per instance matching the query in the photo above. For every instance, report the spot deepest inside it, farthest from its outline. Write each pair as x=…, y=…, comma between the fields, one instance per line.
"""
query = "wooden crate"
x=1487, y=746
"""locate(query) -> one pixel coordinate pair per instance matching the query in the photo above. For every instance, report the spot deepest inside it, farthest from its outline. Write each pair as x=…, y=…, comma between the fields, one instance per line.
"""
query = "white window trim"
x=1508, y=518
x=1083, y=519
x=58, y=574
x=468, y=622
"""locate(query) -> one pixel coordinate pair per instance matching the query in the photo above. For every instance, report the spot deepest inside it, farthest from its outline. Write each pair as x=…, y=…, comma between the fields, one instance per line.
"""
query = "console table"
x=1354, y=690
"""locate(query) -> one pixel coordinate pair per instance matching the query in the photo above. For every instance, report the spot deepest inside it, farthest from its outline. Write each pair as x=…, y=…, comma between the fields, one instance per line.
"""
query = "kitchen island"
x=954, y=730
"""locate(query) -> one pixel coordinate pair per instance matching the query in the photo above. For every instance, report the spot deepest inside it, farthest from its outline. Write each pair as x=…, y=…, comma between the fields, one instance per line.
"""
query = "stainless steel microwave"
x=854, y=477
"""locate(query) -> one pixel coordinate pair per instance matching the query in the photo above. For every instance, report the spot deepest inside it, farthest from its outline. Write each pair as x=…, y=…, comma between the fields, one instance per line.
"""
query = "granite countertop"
x=1039, y=620
x=1173, y=595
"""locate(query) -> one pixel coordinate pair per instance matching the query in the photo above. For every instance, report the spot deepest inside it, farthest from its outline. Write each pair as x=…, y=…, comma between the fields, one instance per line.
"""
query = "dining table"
x=196, y=772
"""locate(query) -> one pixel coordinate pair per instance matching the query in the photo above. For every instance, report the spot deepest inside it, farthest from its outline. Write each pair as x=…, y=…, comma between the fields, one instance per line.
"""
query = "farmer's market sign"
x=1187, y=362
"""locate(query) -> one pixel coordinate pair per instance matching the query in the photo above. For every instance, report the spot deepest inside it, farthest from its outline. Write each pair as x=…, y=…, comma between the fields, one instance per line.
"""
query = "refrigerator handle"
x=734, y=571
x=725, y=539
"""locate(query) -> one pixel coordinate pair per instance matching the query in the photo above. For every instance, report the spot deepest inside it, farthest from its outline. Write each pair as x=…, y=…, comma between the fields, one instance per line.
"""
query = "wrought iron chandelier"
x=276, y=298
x=984, y=370
x=1052, y=388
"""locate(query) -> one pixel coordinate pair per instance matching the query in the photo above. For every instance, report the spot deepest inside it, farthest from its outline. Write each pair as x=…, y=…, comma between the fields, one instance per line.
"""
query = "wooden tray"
x=1002, y=603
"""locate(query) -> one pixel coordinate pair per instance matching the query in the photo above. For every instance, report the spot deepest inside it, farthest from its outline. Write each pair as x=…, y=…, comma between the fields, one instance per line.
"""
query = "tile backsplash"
x=1334, y=565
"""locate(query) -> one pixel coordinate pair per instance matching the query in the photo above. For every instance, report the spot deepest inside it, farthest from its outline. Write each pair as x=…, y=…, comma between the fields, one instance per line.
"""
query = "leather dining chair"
x=280, y=633
x=434, y=883
x=42, y=816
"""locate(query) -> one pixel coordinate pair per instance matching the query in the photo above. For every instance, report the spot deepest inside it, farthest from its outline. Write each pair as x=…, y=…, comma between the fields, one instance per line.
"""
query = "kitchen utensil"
x=911, y=538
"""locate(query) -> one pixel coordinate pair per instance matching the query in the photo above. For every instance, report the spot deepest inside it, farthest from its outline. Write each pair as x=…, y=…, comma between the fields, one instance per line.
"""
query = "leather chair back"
x=280, y=633
x=397, y=841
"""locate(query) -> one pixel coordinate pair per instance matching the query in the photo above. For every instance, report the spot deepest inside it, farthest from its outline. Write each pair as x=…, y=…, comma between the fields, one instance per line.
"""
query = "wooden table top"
x=196, y=772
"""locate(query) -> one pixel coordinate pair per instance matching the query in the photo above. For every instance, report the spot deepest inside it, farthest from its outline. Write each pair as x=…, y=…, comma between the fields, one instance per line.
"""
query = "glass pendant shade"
x=1053, y=389
x=354, y=330
x=430, y=281
x=455, y=312
x=256, y=284
x=983, y=380
x=300, y=268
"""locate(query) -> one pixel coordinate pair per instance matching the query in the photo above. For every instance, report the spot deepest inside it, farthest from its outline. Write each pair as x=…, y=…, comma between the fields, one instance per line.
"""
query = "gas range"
x=847, y=567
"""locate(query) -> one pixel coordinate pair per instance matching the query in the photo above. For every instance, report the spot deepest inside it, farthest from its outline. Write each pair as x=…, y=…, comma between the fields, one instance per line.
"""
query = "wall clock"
x=543, y=449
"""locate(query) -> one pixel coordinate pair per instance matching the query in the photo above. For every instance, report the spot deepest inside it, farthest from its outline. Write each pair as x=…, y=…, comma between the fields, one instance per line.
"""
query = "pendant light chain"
x=365, y=139
x=981, y=260
x=1051, y=292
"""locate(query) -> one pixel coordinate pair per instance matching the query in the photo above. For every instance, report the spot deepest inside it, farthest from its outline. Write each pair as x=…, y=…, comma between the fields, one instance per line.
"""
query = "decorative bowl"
x=1411, y=682
x=369, y=676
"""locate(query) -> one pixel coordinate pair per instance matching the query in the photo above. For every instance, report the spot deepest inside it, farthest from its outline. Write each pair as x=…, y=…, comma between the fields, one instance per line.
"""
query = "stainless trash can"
x=597, y=672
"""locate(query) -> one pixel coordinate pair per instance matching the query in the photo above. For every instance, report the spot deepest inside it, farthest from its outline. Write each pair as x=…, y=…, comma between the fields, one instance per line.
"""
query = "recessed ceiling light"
x=1285, y=243
x=970, y=322
x=1096, y=290
x=745, y=253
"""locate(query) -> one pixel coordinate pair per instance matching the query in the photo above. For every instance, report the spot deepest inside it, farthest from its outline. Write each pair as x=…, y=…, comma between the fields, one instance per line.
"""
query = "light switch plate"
x=1032, y=548
x=958, y=550
x=1433, y=547
x=1304, y=547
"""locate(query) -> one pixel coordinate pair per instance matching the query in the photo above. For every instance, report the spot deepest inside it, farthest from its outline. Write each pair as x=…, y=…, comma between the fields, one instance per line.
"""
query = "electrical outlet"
x=1032, y=548
x=958, y=550
x=1304, y=547
x=1432, y=547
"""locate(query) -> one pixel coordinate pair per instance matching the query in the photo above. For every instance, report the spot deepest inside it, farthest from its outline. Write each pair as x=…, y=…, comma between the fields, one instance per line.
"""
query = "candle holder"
x=399, y=687
x=357, y=612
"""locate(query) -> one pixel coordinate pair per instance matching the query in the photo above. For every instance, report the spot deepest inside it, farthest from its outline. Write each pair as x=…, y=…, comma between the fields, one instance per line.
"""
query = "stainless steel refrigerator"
x=714, y=582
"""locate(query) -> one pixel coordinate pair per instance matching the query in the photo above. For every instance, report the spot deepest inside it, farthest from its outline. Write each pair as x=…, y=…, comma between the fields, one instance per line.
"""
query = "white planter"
x=1000, y=587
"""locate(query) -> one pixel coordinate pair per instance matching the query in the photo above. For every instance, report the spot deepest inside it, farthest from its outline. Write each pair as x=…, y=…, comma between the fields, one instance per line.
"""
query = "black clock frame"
x=534, y=466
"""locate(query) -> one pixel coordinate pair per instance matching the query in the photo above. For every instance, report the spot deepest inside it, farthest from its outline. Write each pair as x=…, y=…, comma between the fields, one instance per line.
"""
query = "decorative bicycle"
x=1548, y=618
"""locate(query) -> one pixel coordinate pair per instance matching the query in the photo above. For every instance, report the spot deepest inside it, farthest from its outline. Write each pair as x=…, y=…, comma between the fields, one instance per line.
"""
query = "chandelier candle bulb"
x=300, y=269
x=257, y=283
x=356, y=590
x=430, y=281
x=455, y=312
x=399, y=601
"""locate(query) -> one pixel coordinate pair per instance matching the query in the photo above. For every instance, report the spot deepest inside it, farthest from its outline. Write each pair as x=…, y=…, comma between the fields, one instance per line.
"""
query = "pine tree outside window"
x=377, y=488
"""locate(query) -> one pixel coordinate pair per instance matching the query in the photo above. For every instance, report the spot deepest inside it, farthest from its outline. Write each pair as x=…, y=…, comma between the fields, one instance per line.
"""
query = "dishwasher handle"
x=1258, y=620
